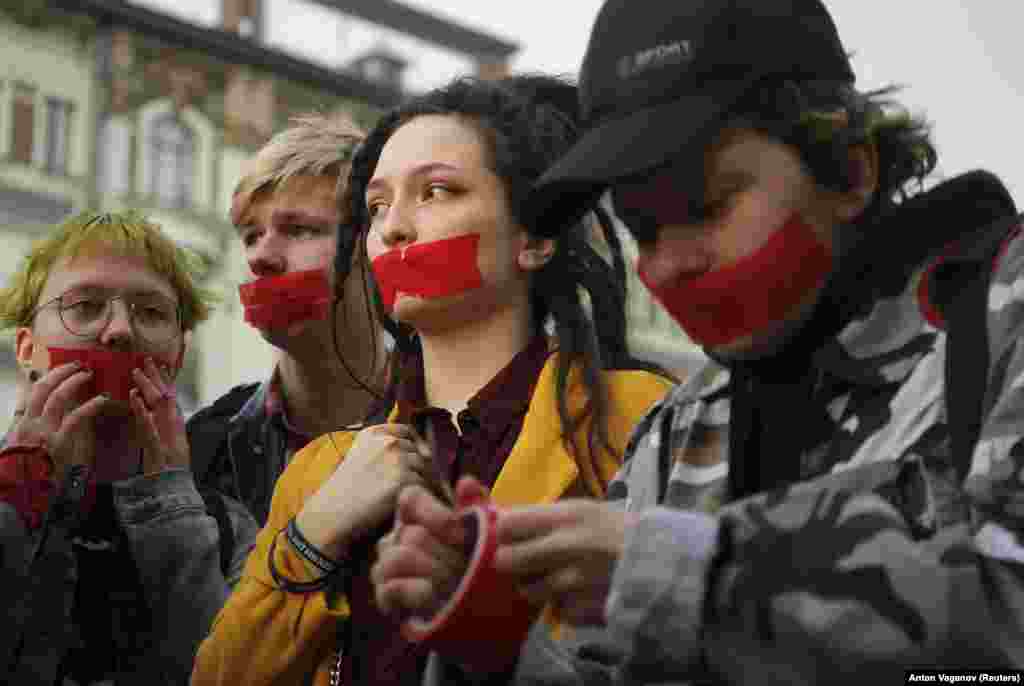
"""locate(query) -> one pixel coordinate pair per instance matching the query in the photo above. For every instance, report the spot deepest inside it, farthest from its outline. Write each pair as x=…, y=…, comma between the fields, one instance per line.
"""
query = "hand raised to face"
x=159, y=420
x=58, y=419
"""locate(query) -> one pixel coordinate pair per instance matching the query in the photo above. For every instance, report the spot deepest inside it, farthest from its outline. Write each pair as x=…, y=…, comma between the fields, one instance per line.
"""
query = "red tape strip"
x=276, y=302
x=112, y=370
x=429, y=270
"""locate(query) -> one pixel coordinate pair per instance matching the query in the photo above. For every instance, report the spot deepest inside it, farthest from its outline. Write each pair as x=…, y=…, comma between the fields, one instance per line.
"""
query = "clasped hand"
x=562, y=554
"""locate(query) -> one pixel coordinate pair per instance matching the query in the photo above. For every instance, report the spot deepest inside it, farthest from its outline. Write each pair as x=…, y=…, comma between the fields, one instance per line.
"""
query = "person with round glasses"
x=88, y=312
x=110, y=565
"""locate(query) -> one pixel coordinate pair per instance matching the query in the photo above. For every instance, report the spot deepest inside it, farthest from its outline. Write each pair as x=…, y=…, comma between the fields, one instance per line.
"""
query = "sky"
x=956, y=60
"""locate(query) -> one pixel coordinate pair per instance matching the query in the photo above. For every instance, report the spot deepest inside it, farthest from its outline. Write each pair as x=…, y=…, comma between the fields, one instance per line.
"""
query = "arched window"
x=171, y=162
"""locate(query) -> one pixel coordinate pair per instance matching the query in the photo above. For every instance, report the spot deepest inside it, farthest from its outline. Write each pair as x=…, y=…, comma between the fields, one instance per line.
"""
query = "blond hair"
x=313, y=144
x=90, y=234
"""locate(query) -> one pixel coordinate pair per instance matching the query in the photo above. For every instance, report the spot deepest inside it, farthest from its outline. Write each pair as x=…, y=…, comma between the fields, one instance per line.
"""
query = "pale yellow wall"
x=56, y=64
x=16, y=244
x=232, y=162
x=232, y=352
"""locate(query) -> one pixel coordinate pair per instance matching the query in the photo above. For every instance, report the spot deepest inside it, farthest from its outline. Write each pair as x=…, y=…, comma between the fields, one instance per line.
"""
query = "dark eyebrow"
x=419, y=170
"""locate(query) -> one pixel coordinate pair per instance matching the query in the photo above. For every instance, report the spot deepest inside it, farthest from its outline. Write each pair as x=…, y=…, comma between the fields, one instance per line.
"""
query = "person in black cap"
x=848, y=503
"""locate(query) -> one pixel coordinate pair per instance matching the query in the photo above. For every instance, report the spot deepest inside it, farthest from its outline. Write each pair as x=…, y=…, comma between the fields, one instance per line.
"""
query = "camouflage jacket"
x=877, y=560
x=158, y=582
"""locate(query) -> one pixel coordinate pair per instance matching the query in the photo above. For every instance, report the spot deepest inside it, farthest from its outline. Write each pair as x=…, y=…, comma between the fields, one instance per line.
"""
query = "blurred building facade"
x=108, y=105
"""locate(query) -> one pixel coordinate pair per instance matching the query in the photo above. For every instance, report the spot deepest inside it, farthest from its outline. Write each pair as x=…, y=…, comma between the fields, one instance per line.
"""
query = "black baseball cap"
x=659, y=76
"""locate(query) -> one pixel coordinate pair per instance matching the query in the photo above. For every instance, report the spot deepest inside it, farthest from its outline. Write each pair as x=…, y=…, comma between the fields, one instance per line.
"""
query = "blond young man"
x=286, y=210
x=110, y=565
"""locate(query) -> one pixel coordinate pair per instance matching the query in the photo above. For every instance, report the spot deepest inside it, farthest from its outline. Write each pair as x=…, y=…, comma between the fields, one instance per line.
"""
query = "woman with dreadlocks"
x=469, y=286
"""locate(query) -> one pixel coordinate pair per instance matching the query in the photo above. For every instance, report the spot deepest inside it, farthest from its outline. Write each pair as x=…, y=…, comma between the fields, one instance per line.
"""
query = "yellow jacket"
x=267, y=636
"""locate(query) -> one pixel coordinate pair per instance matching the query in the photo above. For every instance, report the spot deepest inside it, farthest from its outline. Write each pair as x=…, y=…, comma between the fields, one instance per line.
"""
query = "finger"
x=409, y=561
x=433, y=479
x=413, y=462
x=145, y=421
x=166, y=376
x=518, y=524
x=153, y=392
x=395, y=429
x=42, y=388
x=149, y=436
x=151, y=369
x=560, y=584
x=404, y=448
x=77, y=420
x=412, y=467
x=160, y=377
x=469, y=491
x=541, y=556
x=386, y=542
x=402, y=597
x=453, y=558
x=417, y=505
x=64, y=396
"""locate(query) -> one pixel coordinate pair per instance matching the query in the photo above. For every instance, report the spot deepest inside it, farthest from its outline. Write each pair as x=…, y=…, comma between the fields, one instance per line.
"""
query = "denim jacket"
x=164, y=529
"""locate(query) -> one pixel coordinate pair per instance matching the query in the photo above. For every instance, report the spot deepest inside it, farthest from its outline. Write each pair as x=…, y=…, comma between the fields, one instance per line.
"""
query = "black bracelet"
x=290, y=585
x=308, y=551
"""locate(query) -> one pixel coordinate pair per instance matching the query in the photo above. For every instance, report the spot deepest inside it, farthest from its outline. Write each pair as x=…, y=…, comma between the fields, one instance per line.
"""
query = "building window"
x=58, y=122
x=114, y=160
x=23, y=124
x=171, y=154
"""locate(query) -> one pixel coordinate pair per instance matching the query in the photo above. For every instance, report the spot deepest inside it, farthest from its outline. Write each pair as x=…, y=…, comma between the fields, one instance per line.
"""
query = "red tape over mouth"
x=277, y=302
x=749, y=295
x=112, y=370
x=429, y=270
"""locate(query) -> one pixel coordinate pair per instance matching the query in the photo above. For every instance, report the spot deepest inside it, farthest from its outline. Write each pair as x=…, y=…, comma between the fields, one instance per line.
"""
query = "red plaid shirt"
x=275, y=409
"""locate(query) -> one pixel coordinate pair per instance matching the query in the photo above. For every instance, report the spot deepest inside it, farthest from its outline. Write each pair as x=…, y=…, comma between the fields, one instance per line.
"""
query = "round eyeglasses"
x=154, y=318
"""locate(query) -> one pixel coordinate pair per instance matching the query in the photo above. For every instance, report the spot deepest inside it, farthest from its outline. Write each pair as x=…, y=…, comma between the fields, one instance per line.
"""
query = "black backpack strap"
x=207, y=437
x=216, y=508
x=961, y=287
x=967, y=366
x=208, y=430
